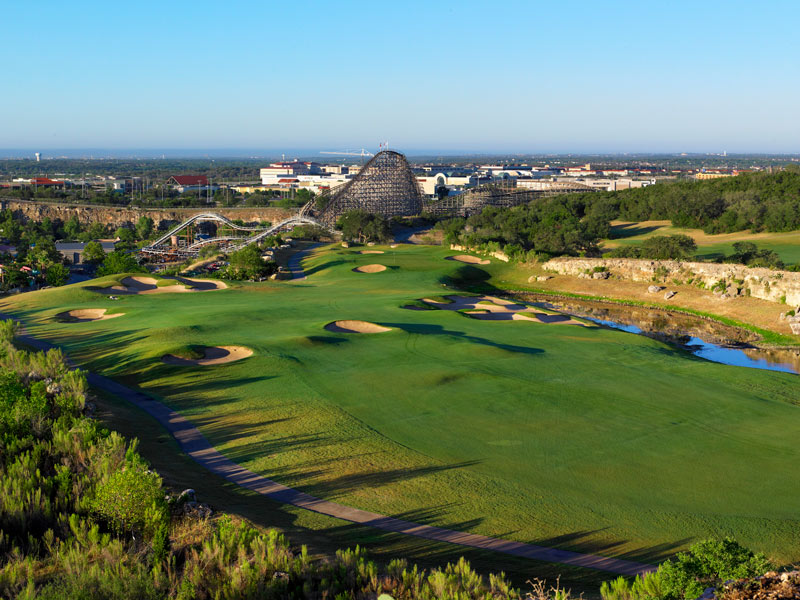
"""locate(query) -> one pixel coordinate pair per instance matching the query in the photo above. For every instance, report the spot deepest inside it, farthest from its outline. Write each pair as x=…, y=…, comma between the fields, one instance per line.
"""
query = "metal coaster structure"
x=506, y=195
x=386, y=185
x=183, y=241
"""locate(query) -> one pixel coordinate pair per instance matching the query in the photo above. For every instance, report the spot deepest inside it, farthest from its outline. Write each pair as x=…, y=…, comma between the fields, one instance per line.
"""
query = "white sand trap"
x=356, y=327
x=491, y=308
x=471, y=260
x=371, y=252
x=394, y=246
x=370, y=269
x=213, y=355
x=85, y=315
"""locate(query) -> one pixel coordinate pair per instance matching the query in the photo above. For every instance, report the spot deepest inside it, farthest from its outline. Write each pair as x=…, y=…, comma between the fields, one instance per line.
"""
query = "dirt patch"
x=371, y=252
x=85, y=315
x=356, y=327
x=213, y=355
x=370, y=269
x=470, y=260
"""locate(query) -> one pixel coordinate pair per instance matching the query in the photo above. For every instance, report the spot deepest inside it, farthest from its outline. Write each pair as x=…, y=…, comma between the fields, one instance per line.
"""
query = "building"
x=189, y=183
x=73, y=251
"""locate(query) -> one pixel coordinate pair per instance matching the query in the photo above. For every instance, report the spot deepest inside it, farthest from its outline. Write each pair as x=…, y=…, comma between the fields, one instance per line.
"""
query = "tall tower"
x=38, y=156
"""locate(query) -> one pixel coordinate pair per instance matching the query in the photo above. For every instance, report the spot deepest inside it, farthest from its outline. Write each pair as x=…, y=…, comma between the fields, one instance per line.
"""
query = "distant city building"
x=188, y=183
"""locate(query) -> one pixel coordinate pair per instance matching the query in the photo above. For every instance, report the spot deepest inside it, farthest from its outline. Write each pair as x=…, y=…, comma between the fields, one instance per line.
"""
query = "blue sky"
x=568, y=76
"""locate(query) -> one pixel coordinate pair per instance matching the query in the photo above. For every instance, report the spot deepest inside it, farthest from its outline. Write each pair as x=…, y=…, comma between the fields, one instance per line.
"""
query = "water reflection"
x=702, y=337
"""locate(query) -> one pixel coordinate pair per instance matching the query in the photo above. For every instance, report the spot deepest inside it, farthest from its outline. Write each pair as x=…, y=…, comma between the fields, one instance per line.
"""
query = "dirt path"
x=201, y=451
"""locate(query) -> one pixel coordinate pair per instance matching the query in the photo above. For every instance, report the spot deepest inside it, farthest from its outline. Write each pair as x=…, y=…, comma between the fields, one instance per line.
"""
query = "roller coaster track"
x=231, y=243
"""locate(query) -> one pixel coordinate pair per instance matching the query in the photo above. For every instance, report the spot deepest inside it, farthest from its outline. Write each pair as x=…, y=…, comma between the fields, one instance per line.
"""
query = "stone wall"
x=124, y=216
x=775, y=286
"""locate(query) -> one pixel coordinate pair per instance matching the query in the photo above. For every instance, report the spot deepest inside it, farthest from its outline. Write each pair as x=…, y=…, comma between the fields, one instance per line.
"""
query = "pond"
x=702, y=337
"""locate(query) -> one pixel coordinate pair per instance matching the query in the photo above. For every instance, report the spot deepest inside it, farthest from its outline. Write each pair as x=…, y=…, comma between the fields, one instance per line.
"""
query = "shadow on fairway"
x=425, y=329
x=325, y=265
x=626, y=231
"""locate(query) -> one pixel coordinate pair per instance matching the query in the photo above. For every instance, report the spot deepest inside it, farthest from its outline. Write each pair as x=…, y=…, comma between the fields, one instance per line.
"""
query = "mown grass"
x=583, y=438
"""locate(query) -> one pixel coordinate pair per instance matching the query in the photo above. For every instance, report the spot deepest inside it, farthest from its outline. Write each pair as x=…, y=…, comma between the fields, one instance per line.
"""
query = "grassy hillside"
x=562, y=435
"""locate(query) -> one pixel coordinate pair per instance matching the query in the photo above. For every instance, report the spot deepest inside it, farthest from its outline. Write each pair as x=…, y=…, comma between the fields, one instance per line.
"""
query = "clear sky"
x=566, y=76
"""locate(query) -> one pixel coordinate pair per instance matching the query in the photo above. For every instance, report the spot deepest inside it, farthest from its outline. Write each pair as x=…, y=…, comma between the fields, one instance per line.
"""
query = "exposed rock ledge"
x=775, y=286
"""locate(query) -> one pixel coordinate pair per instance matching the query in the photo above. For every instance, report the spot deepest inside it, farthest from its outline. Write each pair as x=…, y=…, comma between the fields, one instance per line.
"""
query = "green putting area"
x=540, y=429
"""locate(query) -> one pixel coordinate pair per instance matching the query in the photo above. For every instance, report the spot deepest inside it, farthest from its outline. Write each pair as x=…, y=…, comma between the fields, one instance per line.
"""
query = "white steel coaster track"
x=233, y=243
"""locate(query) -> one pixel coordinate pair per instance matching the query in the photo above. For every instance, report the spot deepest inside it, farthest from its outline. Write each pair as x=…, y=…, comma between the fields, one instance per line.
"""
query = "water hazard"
x=702, y=337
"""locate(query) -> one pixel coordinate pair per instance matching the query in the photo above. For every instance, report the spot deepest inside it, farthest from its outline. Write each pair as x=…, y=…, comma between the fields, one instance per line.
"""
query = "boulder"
x=654, y=289
x=600, y=275
x=345, y=244
x=669, y=294
x=187, y=495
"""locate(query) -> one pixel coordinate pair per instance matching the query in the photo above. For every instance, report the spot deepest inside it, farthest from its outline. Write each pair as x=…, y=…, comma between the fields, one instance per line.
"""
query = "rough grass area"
x=623, y=446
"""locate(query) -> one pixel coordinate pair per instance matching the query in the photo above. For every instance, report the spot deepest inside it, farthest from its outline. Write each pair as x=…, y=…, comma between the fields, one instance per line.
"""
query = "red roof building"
x=187, y=180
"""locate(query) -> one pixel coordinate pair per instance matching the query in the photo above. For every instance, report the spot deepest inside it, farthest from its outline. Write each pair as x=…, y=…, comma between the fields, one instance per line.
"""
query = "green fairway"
x=786, y=245
x=557, y=434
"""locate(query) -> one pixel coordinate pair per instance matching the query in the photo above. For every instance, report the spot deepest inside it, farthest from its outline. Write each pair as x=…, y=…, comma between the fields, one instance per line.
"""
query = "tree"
x=57, y=275
x=126, y=235
x=130, y=500
x=93, y=253
x=144, y=227
x=72, y=228
x=247, y=263
x=119, y=262
x=362, y=226
x=96, y=231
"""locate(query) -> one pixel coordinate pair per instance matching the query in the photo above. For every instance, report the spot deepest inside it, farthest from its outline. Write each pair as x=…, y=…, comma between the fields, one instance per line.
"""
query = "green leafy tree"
x=247, y=264
x=144, y=228
x=93, y=253
x=57, y=275
x=119, y=262
x=362, y=226
x=126, y=235
x=72, y=228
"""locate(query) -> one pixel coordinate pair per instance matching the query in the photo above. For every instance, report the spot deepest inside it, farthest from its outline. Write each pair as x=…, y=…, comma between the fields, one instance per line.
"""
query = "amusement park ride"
x=386, y=185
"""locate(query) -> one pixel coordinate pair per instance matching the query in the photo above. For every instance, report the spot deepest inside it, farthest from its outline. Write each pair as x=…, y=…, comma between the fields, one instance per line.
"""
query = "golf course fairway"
x=562, y=435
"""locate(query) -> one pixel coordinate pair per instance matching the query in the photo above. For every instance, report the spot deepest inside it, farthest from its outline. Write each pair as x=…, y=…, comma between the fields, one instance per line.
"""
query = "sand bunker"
x=370, y=269
x=356, y=327
x=201, y=285
x=491, y=308
x=213, y=355
x=371, y=252
x=85, y=315
x=149, y=285
x=471, y=260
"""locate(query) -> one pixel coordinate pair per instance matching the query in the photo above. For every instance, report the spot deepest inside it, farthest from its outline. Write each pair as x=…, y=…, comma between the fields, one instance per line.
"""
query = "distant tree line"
x=754, y=201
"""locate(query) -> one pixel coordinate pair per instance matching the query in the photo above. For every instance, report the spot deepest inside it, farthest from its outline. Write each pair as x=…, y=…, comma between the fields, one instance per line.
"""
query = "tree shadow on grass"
x=326, y=265
x=428, y=329
x=631, y=230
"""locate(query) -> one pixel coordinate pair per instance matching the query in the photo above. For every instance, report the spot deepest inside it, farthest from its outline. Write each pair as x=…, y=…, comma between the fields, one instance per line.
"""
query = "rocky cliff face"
x=123, y=216
x=728, y=279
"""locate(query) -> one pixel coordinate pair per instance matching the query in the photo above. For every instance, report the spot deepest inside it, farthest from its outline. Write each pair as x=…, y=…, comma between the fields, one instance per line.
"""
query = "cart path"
x=294, y=264
x=193, y=443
